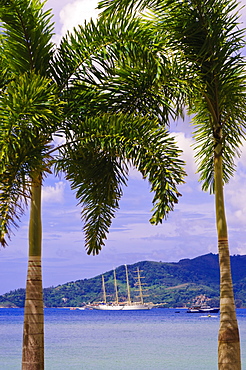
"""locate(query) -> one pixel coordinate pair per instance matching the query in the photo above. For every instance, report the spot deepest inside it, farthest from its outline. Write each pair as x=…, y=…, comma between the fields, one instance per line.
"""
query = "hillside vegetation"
x=173, y=284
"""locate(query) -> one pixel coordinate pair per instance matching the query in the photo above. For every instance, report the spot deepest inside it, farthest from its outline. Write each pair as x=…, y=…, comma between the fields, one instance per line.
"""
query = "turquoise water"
x=129, y=340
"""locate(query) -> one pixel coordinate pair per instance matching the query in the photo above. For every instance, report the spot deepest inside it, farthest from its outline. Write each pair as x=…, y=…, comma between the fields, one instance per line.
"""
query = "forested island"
x=172, y=284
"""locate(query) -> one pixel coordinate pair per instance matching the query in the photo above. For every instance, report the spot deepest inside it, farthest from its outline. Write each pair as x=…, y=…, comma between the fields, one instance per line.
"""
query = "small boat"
x=77, y=308
x=203, y=309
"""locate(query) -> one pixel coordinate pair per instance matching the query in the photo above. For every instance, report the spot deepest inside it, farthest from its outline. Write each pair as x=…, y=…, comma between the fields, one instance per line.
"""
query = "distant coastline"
x=176, y=284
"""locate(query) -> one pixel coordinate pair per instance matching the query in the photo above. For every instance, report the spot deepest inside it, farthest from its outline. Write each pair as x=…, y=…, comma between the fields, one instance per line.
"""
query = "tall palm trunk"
x=228, y=341
x=33, y=332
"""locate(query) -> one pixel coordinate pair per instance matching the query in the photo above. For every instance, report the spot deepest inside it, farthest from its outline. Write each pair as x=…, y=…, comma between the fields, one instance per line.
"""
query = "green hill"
x=175, y=284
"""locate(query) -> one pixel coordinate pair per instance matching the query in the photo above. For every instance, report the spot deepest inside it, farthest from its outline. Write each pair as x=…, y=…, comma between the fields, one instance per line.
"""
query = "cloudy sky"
x=188, y=232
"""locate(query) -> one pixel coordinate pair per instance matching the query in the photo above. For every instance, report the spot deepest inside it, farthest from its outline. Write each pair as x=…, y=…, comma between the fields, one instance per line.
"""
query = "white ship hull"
x=106, y=307
x=138, y=306
x=122, y=307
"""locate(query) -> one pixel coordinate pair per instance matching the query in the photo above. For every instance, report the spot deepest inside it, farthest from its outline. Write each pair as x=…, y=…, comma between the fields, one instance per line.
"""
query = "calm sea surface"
x=137, y=340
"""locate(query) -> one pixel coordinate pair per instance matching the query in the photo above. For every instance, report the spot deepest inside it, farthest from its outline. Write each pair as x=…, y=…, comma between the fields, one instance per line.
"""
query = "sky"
x=188, y=232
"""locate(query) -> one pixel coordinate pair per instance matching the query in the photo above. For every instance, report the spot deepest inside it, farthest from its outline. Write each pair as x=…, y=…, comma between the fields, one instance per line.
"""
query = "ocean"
x=157, y=339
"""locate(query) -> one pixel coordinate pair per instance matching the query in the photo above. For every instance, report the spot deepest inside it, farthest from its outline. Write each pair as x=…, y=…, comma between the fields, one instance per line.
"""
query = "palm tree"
x=45, y=93
x=30, y=111
x=207, y=36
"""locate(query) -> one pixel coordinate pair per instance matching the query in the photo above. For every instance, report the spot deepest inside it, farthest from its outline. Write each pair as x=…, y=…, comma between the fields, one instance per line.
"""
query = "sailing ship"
x=123, y=306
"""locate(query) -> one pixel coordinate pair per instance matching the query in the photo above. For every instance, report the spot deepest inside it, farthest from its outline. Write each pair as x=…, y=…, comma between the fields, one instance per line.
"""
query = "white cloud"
x=236, y=200
x=135, y=174
x=75, y=13
x=185, y=144
x=54, y=194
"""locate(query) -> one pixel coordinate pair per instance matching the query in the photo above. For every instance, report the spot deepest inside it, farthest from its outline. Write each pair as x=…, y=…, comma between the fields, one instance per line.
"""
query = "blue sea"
x=126, y=340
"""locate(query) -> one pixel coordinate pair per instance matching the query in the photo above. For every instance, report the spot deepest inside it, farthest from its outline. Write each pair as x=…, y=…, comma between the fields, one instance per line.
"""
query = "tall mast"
x=104, y=290
x=140, y=286
x=116, y=289
x=128, y=287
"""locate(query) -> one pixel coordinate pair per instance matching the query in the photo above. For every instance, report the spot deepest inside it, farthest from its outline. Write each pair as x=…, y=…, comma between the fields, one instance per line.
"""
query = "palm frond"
x=29, y=114
x=12, y=206
x=97, y=179
x=110, y=40
x=3, y=68
x=120, y=67
x=27, y=33
x=110, y=7
x=30, y=102
x=209, y=39
x=21, y=157
x=103, y=151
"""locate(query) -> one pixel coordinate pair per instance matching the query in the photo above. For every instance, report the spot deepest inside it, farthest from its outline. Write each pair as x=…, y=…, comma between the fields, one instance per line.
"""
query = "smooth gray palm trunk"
x=228, y=342
x=33, y=331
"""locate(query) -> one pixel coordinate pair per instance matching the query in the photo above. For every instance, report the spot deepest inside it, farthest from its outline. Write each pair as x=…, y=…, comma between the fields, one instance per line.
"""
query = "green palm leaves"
x=28, y=31
x=124, y=68
x=29, y=108
x=29, y=113
x=114, y=86
x=97, y=164
x=207, y=35
x=106, y=90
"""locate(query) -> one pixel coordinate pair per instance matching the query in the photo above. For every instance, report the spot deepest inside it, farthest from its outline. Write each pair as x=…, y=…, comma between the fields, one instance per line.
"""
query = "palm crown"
x=84, y=92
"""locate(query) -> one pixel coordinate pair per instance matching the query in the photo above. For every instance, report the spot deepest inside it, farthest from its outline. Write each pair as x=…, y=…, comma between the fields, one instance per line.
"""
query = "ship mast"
x=140, y=286
x=116, y=289
x=128, y=287
x=104, y=290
